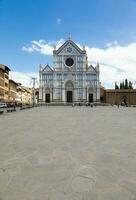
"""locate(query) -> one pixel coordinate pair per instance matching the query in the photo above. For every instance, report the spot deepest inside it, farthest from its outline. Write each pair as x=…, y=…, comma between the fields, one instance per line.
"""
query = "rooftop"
x=4, y=67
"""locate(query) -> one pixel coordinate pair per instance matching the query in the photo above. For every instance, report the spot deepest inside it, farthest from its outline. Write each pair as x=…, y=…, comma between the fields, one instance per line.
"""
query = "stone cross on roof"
x=69, y=36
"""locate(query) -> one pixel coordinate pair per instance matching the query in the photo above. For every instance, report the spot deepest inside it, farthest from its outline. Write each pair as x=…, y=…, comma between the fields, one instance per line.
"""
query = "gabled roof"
x=91, y=68
x=47, y=68
x=69, y=41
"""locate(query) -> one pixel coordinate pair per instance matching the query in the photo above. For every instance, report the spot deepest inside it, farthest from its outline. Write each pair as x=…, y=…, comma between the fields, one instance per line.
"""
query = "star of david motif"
x=69, y=49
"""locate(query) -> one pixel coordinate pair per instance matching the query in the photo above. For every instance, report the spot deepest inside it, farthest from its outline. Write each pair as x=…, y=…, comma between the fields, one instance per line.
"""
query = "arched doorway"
x=90, y=95
x=124, y=100
x=69, y=92
x=47, y=95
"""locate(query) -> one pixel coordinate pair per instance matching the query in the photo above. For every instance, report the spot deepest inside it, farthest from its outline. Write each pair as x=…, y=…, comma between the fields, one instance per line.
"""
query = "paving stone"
x=78, y=153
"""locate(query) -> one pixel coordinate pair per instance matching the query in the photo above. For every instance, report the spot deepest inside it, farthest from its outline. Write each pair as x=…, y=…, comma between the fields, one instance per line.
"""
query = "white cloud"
x=116, y=62
x=114, y=43
x=42, y=46
x=25, y=78
x=28, y=49
x=59, y=20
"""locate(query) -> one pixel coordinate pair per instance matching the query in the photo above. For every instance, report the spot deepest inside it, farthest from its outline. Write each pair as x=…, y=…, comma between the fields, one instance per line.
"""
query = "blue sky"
x=94, y=23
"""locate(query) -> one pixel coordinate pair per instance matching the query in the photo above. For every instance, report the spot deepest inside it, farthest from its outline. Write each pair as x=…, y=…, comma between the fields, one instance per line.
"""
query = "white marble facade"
x=70, y=79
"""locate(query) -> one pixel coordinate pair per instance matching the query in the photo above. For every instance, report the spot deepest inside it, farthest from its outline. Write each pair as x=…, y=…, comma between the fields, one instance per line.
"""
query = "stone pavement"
x=65, y=153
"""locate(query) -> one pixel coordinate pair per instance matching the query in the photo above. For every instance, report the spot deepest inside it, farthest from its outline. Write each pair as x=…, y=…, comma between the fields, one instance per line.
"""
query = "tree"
x=123, y=85
x=120, y=86
x=126, y=84
x=116, y=86
x=130, y=85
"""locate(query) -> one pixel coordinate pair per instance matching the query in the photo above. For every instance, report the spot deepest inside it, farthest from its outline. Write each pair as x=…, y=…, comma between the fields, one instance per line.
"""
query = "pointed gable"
x=47, y=68
x=69, y=47
x=91, y=69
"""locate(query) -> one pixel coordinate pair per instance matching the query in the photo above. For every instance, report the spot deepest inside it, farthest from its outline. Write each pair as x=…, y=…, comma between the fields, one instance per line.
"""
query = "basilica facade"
x=70, y=79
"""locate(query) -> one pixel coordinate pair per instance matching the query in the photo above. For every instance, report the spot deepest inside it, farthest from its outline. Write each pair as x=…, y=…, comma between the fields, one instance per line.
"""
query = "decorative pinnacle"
x=69, y=36
x=54, y=47
x=97, y=66
x=40, y=66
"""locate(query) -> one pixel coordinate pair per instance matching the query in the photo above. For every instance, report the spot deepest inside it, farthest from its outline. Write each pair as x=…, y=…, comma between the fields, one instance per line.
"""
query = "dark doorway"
x=90, y=98
x=47, y=98
x=69, y=96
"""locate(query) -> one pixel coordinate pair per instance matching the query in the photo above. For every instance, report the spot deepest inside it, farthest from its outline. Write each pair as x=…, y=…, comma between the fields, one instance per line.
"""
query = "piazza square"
x=68, y=100
x=71, y=153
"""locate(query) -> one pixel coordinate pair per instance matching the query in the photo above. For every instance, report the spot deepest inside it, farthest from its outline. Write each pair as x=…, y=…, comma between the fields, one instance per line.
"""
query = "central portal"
x=69, y=91
x=90, y=98
x=47, y=98
x=69, y=96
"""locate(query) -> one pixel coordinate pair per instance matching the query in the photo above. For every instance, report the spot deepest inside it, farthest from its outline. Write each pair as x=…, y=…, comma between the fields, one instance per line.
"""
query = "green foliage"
x=116, y=86
x=121, y=86
x=124, y=85
x=130, y=85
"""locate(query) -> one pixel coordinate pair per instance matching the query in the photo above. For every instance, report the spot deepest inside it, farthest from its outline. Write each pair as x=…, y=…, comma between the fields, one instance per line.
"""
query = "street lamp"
x=34, y=81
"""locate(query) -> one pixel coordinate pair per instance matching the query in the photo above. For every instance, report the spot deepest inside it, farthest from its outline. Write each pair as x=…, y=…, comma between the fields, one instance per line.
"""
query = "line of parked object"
x=11, y=110
x=4, y=107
